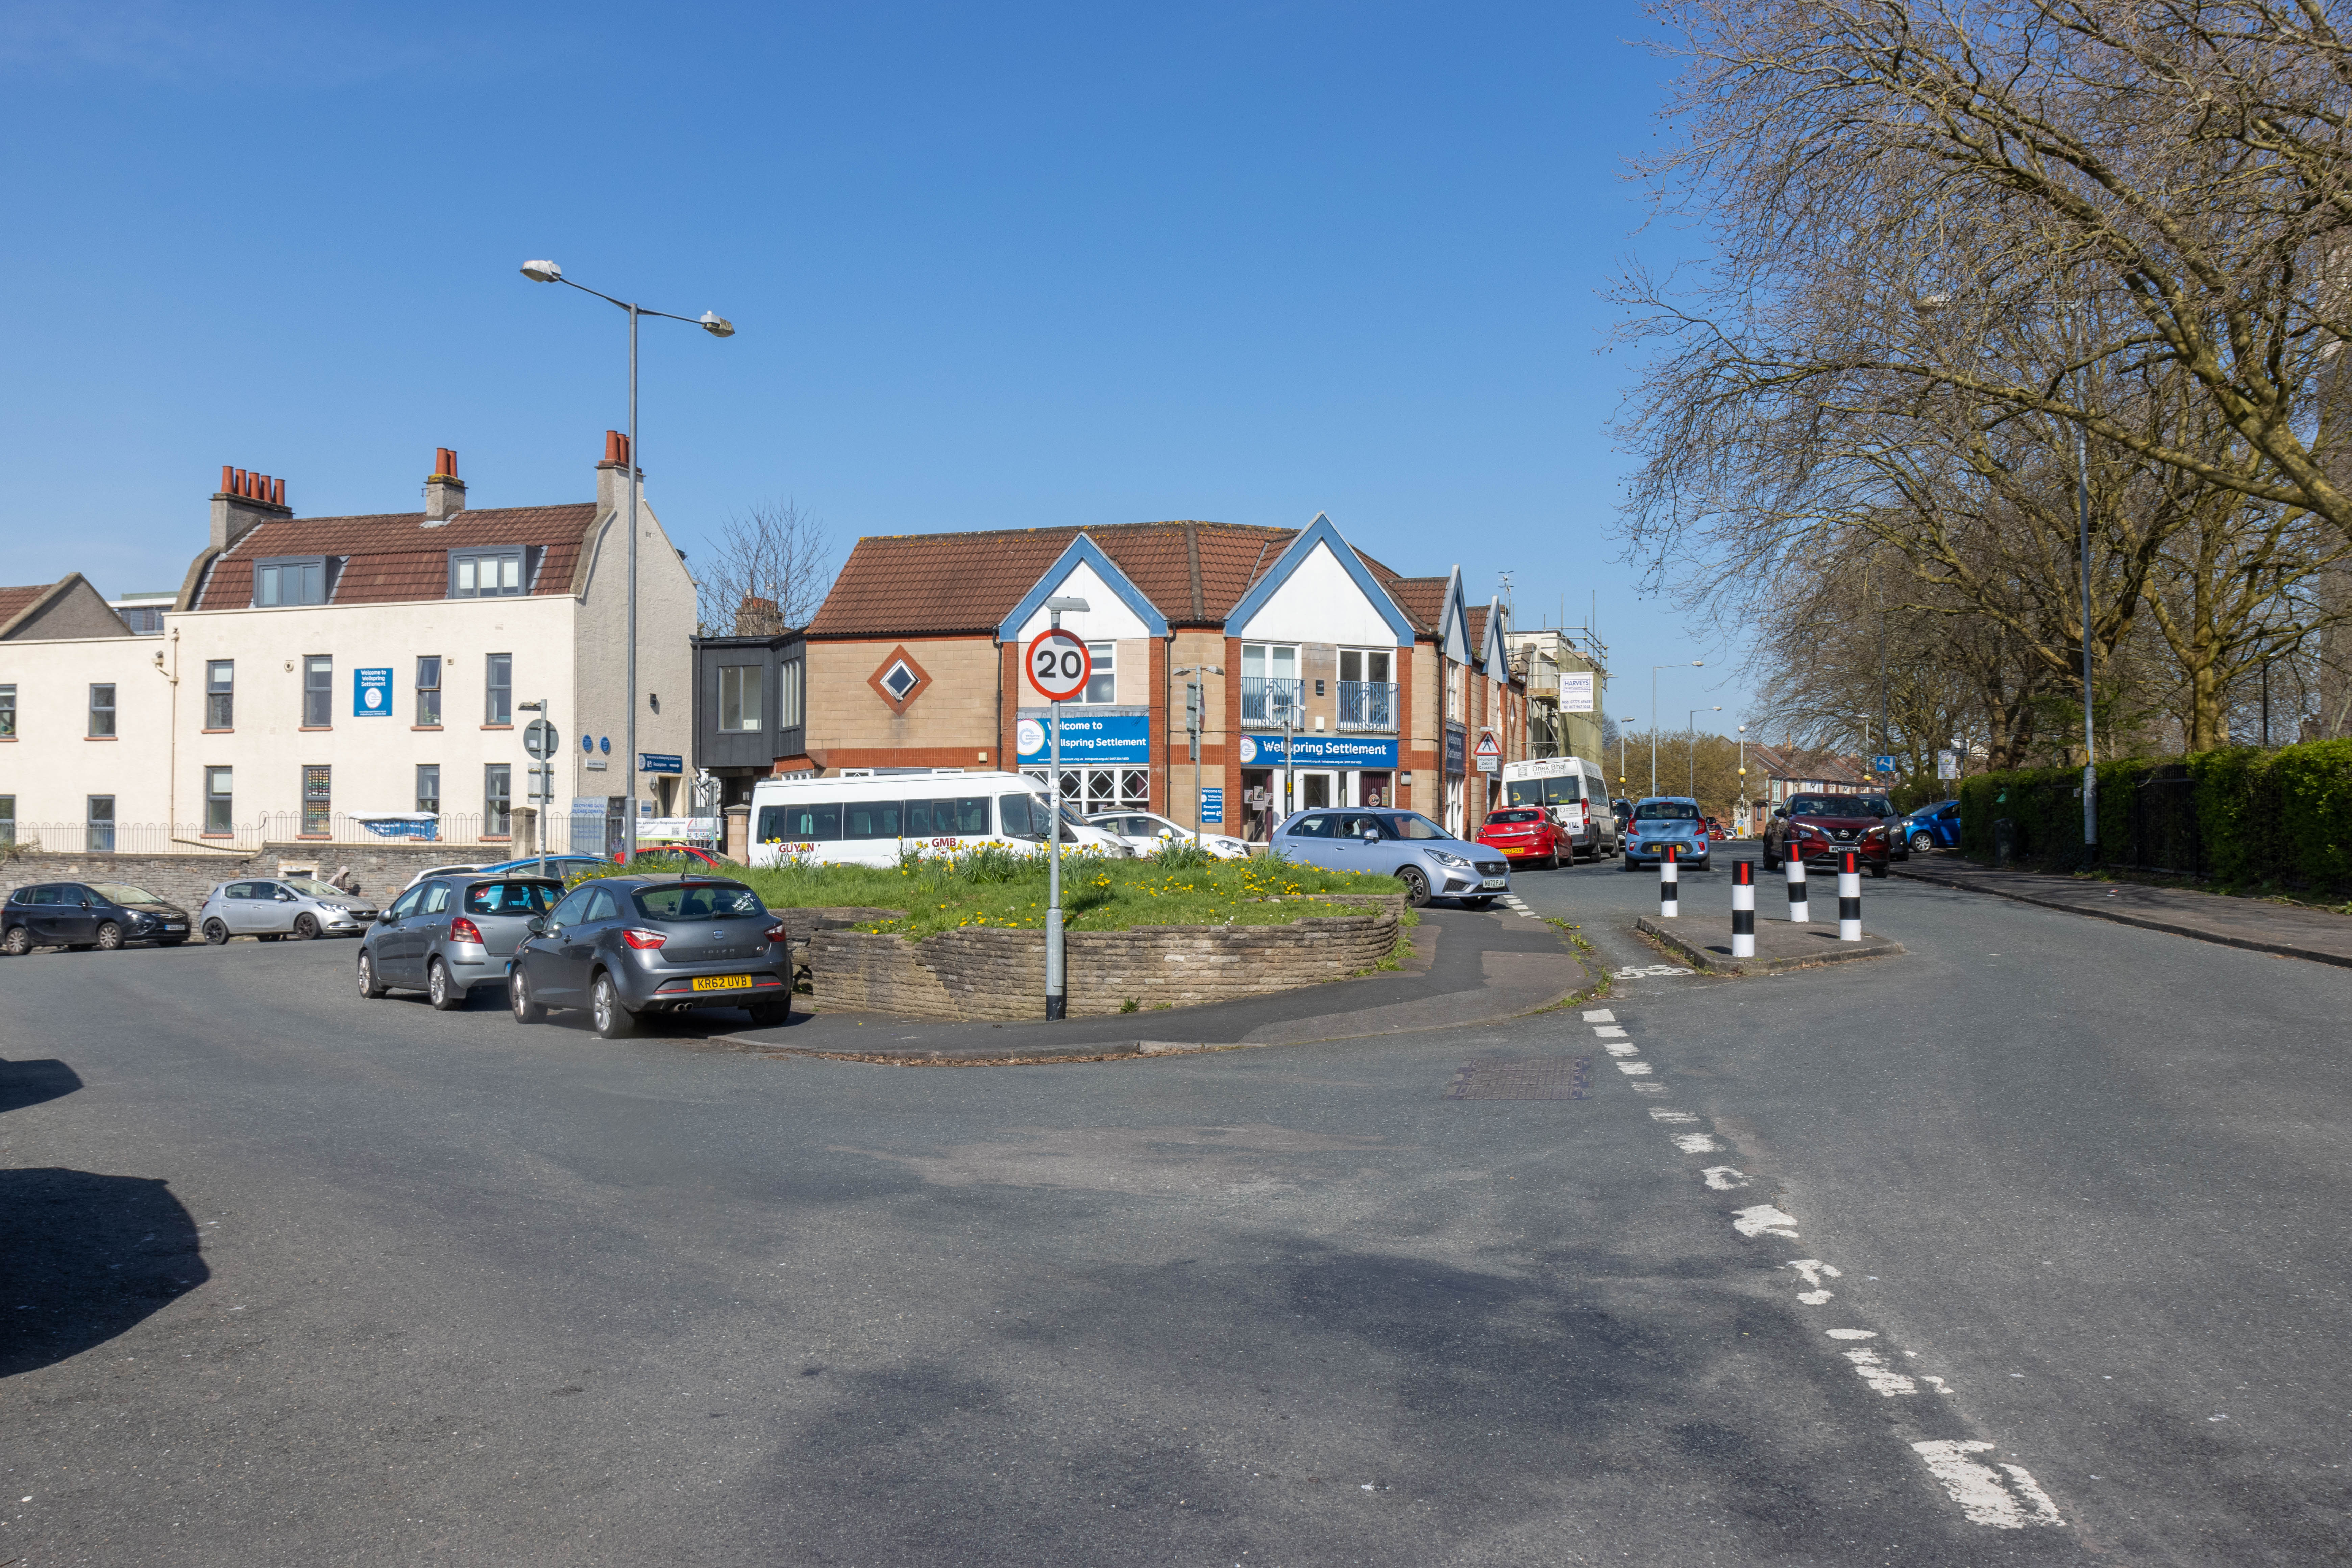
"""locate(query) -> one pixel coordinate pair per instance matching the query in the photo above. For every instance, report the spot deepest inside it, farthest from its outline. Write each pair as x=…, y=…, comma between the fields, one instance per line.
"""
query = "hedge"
x=2240, y=817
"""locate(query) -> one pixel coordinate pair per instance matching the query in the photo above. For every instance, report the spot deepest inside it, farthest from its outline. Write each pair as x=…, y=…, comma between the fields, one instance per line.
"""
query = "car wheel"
x=1416, y=887
x=441, y=990
x=17, y=942
x=368, y=986
x=614, y=1022
x=109, y=936
x=526, y=1011
x=215, y=933
x=1922, y=841
x=770, y=1014
x=306, y=928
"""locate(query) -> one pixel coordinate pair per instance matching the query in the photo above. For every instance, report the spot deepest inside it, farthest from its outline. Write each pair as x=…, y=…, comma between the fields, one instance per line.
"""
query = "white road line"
x=2006, y=1498
x=1765, y=1220
x=1882, y=1378
x=1940, y=1386
x=1632, y=1066
x=1723, y=1178
x=1851, y=1333
x=1621, y=1048
x=1812, y=1269
x=1646, y=972
x=1609, y=1031
x=1601, y=1016
x=1696, y=1143
x=1660, y=1113
x=1649, y=1089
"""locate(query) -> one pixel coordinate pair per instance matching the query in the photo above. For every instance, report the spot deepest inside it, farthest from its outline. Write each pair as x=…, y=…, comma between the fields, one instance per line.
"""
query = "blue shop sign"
x=371, y=694
x=1457, y=748
x=1213, y=805
x=1104, y=740
x=1319, y=750
x=657, y=763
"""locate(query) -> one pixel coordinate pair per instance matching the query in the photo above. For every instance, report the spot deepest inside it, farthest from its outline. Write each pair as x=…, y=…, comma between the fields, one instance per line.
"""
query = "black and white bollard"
x=1799, y=911
x=1670, y=903
x=1849, y=899
x=1743, y=909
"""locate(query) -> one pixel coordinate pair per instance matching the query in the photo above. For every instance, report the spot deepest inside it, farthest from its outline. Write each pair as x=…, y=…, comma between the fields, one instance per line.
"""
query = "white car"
x=440, y=871
x=1144, y=832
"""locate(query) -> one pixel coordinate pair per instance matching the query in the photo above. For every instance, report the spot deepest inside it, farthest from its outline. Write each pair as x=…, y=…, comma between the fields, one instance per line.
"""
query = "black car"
x=80, y=915
x=620, y=946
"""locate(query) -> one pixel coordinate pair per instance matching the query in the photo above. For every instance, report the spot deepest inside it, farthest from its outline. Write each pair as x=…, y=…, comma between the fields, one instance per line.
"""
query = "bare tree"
x=769, y=572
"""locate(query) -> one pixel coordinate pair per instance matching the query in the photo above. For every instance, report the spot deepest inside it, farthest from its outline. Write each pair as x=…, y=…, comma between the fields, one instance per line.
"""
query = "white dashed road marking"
x=1881, y=1377
x=1723, y=1178
x=1812, y=1269
x=1695, y=1143
x=1632, y=1066
x=1646, y=972
x=1763, y=1219
x=1609, y=1031
x=1660, y=1113
x=2005, y=1497
x=1601, y=1016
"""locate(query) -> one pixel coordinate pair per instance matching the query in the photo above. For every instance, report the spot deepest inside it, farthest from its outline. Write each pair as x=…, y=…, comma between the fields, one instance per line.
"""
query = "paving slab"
x=2256, y=923
x=1779, y=944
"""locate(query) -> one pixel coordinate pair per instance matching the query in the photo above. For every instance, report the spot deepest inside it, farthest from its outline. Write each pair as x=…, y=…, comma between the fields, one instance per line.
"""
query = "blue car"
x=1936, y=827
x=1663, y=819
x=1431, y=862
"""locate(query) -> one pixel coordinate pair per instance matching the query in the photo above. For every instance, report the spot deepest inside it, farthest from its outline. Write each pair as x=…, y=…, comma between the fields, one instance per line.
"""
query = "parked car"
x=1660, y=820
x=103, y=915
x=620, y=946
x=1715, y=832
x=1818, y=829
x=562, y=868
x=445, y=871
x=298, y=906
x=1430, y=862
x=1528, y=833
x=449, y=935
x=1622, y=810
x=1144, y=832
x=1573, y=793
x=676, y=858
x=1936, y=827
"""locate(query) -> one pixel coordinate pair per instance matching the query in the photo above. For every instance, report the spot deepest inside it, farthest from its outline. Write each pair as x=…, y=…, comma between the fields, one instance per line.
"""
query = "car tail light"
x=778, y=934
x=463, y=930
x=643, y=939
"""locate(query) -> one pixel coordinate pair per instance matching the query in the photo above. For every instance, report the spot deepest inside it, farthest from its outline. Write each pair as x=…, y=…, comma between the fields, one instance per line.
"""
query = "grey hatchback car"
x=1429, y=861
x=620, y=946
x=447, y=934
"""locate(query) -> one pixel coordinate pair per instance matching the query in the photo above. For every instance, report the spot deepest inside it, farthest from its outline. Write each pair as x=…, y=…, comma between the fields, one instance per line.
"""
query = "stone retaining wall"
x=382, y=870
x=973, y=974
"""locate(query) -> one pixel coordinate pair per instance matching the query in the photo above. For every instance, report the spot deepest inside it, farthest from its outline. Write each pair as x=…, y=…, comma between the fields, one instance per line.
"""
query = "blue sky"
x=992, y=266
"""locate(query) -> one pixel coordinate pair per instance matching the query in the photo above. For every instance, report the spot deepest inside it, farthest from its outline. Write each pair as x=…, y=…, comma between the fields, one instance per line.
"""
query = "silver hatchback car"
x=450, y=933
x=275, y=907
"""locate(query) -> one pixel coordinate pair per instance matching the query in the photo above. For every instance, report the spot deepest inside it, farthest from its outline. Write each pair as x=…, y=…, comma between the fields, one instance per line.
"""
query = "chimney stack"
x=611, y=474
x=445, y=492
x=244, y=501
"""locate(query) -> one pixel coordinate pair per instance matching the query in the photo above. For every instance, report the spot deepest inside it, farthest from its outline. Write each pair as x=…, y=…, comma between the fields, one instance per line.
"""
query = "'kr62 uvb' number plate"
x=722, y=983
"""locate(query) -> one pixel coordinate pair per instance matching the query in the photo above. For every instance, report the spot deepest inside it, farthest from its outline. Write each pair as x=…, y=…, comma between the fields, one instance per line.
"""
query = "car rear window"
x=1665, y=811
x=516, y=898
x=1513, y=817
x=701, y=901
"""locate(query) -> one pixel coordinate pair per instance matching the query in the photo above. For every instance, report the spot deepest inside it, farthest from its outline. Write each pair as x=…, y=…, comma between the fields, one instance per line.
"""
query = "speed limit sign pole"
x=1058, y=667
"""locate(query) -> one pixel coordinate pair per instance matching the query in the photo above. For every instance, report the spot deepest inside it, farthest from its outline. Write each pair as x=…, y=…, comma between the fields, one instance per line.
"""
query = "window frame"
x=8, y=711
x=220, y=694
x=434, y=769
x=91, y=820
x=475, y=557
x=428, y=713
x=790, y=685
x=1103, y=658
x=106, y=710
x=278, y=564
x=318, y=691
x=498, y=800
x=758, y=715
x=498, y=695
x=220, y=805
x=318, y=808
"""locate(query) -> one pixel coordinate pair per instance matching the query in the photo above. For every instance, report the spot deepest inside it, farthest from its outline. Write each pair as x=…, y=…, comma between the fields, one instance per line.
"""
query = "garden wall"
x=973, y=974
x=382, y=869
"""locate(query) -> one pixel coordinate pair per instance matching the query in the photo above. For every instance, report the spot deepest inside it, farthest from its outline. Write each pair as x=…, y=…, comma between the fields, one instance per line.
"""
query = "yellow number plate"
x=722, y=983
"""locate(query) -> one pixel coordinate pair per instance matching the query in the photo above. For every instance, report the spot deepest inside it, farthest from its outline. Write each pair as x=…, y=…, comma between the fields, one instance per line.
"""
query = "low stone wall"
x=382, y=870
x=974, y=973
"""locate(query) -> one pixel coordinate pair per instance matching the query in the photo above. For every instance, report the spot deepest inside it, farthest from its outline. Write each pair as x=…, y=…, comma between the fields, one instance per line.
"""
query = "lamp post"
x=1743, y=776
x=1690, y=728
x=1195, y=712
x=1628, y=719
x=718, y=327
x=1695, y=664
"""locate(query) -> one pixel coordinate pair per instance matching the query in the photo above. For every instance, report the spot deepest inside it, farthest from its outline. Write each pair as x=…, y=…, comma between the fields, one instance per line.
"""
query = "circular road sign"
x=1058, y=665
x=539, y=738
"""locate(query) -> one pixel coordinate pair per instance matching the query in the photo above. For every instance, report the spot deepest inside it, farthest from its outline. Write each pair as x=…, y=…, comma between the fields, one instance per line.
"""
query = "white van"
x=1573, y=793
x=866, y=819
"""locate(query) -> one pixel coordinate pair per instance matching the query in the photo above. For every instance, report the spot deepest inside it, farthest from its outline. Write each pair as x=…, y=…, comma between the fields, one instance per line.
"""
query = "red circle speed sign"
x=1058, y=665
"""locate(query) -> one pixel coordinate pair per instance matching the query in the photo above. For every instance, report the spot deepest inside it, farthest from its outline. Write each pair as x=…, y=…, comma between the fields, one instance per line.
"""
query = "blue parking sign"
x=1882, y=764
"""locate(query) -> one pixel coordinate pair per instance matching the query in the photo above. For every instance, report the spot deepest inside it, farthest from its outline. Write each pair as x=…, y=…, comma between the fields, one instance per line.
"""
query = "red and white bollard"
x=1743, y=909
x=1670, y=903
x=1800, y=912
x=1849, y=899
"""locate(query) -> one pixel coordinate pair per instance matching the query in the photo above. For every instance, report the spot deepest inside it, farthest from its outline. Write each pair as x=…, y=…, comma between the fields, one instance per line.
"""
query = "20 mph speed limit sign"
x=1058, y=665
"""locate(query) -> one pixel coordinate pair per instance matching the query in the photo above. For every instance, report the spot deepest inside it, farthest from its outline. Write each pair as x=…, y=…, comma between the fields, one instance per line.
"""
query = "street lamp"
x=1196, y=714
x=718, y=327
x=1695, y=664
x=1628, y=719
x=1743, y=773
x=1690, y=727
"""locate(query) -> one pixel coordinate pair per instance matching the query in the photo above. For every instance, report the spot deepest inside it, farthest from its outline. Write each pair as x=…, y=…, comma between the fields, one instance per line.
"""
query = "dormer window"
x=291, y=580
x=487, y=573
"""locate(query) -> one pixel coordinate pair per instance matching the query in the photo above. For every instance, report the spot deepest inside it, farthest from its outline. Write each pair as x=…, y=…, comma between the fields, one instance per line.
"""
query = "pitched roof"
x=949, y=584
x=1795, y=763
x=393, y=556
x=14, y=602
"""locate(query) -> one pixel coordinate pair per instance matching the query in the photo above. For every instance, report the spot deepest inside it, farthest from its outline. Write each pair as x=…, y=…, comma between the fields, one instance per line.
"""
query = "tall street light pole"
x=1695, y=664
x=1690, y=728
x=718, y=327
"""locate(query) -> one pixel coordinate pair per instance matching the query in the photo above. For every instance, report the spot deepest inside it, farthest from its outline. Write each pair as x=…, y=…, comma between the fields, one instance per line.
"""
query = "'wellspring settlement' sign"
x=1088, y=740
x=1319, y=750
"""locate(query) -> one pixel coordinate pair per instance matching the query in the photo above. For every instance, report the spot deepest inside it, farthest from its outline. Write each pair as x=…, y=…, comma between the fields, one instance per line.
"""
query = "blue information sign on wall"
x=1213, y=805
x=659, y=763
x=1102, y=740
x=371, y=694
x=1319, y=750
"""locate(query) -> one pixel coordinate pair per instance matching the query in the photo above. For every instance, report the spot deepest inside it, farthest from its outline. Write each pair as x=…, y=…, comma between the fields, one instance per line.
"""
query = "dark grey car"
x=448, y=934
x=619, y=946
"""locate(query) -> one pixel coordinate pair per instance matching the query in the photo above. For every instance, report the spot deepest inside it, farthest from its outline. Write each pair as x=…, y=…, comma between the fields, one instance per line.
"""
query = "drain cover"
x=1517, y=1077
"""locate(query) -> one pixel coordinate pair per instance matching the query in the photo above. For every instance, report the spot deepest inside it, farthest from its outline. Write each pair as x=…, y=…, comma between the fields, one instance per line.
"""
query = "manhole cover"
x=1540, y=1077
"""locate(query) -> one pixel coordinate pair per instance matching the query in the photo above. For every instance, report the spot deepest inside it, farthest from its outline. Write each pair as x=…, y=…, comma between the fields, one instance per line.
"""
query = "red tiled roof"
x=14, y=601
x=1422, y=598
x=393, y=556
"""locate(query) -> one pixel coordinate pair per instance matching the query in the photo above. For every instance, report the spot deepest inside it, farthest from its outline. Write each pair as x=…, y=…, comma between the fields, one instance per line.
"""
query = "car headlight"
x=1443, y=859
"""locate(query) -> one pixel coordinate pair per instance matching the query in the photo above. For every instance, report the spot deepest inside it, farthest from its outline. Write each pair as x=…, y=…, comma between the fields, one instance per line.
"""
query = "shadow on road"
x=31, y=1082
x=85, y=1256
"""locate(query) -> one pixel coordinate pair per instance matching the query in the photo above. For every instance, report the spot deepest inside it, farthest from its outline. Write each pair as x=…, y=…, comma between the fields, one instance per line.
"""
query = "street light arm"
x=625, y=305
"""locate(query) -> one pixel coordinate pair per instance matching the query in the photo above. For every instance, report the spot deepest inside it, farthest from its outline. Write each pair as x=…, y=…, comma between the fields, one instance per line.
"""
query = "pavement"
x=2261, y=925
x=2025, y=1247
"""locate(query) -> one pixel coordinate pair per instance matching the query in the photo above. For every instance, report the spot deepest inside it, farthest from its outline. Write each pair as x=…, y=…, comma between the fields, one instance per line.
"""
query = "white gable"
x=1318, y=602
x=1109, y=620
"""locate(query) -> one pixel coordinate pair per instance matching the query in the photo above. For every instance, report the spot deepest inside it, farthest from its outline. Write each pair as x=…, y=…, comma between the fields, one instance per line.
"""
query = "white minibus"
x=866, y=819
x=1575, y=795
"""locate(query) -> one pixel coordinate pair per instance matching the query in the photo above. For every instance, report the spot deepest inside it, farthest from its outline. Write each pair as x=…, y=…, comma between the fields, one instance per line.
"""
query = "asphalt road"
x=288, y=1278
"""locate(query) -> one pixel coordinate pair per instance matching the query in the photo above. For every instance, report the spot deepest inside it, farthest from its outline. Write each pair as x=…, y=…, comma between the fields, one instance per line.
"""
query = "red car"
x=1715, y=830
x=1819, y=828
x=1528, y=833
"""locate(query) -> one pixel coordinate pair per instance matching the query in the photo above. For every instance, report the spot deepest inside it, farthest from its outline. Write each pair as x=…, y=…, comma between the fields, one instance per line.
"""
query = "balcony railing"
x=1368, y=705
x=1269, y=698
